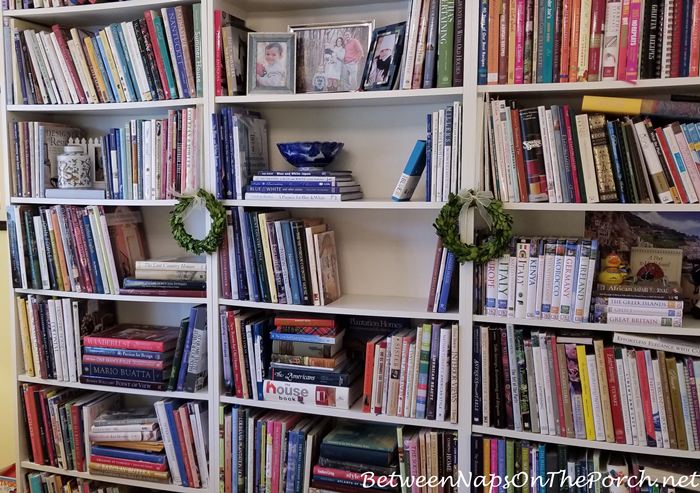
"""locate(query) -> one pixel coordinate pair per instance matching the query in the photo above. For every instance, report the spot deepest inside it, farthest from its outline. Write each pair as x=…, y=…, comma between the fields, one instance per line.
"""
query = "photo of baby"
x=381, y=63
x=270, y=70
x=271, y=62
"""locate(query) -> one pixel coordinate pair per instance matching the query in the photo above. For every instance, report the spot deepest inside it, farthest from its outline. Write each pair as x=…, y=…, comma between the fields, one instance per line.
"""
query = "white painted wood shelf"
x=113, y=297
x=137, y=108
x=612, y=207
x=104, y=202
x=385, y=204
x=679, y=84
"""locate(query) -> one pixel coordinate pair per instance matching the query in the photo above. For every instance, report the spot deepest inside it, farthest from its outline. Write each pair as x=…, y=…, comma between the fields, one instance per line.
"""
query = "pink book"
x=494, y=462
x=624, y=28
x=572, y=155
x=276, y=452
x=633, y=33
x=410, y=446
x=519, y=41
x=163, y=158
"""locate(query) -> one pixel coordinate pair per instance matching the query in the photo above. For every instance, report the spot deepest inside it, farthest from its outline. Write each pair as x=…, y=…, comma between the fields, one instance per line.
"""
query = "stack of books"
x=540, y=278
x=413, y=373
x=586, y=41
x=183, y=427
x=271, y=257
x=239, y=140
x=133, y=356
x=154, y=58
x=230, y=42
x=657, y=304
x=182, y=276
x=336, y=186
x=639, y=390
x=353, y=447
x=117, y=426
x=444, y=281
x=439, y=449
x=553, y=154
x=50, y=332
x=443, y=153
x=308, y=361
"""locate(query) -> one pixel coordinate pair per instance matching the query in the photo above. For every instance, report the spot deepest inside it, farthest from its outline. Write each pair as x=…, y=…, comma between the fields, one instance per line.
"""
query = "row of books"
x=444, y=281
x=547, y=41
x=539, y=278
x=336, y=186
x=239, y=140
x=639, y=390
x=51, y=331
x=154, y=58
x=443, y=153
x=271, y=257
x=144, y=159
x=46, y=482
x=531, y=464
x=230, y=47
x=148, y=357
x=413, y=373
x=434, y=47
x=551, y=154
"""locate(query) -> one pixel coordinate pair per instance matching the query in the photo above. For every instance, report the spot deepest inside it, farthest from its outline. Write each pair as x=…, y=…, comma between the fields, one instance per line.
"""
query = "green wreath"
x=216, y=231
x=500, y=227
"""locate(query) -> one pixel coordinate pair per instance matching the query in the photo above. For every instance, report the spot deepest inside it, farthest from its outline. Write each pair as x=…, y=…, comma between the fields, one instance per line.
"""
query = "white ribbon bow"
x=196, y=203
x=481, y=199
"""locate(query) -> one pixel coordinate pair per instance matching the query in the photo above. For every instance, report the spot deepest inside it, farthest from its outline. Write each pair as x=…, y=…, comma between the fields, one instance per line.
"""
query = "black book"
x=630, y=182
x=146, y=59
x=31, y=80
x=505, y=375
x=133, y=283
x=621, y=181
x=50, y=261
x=577, y=155
x=646, y=195
x=302, y=255
x=177, y=357
x=498, y=411
x=238, y=257
x=522, y=377
x=46, y=340
x=476, y=375
x=649, y=38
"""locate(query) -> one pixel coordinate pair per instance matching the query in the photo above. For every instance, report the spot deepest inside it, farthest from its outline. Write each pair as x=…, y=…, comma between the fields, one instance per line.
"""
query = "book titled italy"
x=310, y=394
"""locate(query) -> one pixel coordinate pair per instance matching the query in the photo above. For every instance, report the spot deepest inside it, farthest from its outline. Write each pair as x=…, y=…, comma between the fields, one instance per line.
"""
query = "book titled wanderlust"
x=136, y=337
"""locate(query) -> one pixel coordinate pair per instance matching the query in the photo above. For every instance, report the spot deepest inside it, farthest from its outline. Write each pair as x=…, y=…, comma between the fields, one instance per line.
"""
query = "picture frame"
x=324, y=61
x=271, y=63
x=384, y=58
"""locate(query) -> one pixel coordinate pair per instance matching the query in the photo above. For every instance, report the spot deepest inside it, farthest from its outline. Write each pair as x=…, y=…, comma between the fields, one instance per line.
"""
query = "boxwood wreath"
x=217, y=213
x=499, y=223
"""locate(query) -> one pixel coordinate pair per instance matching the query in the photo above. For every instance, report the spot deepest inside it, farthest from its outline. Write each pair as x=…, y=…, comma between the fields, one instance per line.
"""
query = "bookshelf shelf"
x=646, y=85
x=149, y=485
x=614, y=207
x=386, y=204
x=691, y=326
x=290, y=5
x=340, y=99
x=355, y=304
x=137, y=108
x=575, y=442
x=202, y=395
x=104, y=202
x=113, y=297
x=355, y=412
x=90, y=14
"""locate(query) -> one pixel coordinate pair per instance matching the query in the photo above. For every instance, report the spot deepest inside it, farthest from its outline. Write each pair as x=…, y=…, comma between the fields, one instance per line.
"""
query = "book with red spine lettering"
x=136, y=337
x=646, y=399
x=596, y=44
x=614, y=390
x=136, y=464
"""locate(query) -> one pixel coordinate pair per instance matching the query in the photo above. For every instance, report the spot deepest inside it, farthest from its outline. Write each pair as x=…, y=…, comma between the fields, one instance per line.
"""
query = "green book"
x=362, y=436
x=445, y=47
x=510, y=463
x=177, y=357
x=197, y=21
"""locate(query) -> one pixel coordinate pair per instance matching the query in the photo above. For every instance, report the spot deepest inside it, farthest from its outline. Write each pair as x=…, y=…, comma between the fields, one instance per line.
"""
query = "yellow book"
x=512, y=19
x=263, y=219
x=92, y=58
x=143, y=445
x=486, y=453
x=606, y=104
x=585, y=392
x=604, y=390
x=129, y=472
x=24, y=335
x=111, y=66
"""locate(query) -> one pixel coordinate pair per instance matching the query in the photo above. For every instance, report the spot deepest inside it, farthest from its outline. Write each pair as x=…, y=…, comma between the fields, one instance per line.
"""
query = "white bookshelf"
x=385, y=248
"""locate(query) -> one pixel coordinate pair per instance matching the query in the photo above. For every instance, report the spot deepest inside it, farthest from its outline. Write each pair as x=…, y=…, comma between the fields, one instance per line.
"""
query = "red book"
x=165, y=293
x=646, y=398
x=330, y=472
x=671, y=165
x=86, y=280
x=136, y=464
x=676, y=40
x=63, y=45
x=148, y=16
x=136, y=337
x=519, y=41
x=130, y=362
x=77, y=421
x=290, y=321
x=523, y=184
x=596, y=40
x=436, y=274
x=28, y=392
x=614, y=391
x=189, y=443
x=276, y=452
x=622, y=52
x=233, y=344
x=557, y=384
x=572, y=154
x=183, y=447
x=48, y=429
x=694, y=41
x=369, y=371
x=218, y=50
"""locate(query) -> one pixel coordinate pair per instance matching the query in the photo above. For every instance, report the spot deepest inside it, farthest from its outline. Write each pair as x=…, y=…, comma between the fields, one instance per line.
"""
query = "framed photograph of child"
x=384, y=58
x=271, y=63
x=331, y=57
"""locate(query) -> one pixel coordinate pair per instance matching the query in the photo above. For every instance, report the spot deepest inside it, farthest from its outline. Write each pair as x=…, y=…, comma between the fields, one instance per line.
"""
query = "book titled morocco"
x=312, y=395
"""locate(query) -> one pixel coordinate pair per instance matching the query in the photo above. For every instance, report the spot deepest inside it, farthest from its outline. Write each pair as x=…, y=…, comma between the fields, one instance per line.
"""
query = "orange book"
x=369, y=373
x=575, y=32
x=493, y=31
x=565, y=40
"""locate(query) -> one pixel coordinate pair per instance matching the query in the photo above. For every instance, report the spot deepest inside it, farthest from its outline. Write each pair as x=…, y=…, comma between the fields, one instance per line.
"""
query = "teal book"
x=197, y=21
x=361, y=442
x=548, y=42
x=445, y=47
x=165, y=54
x=122, y=53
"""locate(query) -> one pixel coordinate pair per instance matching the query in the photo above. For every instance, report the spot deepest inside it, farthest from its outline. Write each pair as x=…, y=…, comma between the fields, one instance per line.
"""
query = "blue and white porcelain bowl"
x=310, y=155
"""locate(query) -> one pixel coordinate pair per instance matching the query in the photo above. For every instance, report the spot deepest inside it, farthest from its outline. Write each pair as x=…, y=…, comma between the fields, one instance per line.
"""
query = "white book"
x=690, y=157
x=624, y=401
x=655, y=393
x=540, y=385
x=18, y=221
x=502, y=285
x=401, y=396
x=522, y=278
x=651, y=159
x=36, y=52
x=505, y=149
x=441, y=273
x=197, y=420
x=568, y=283
x=498, y=151
x=611, y=40
x=64, y=69
x=598, y=423
x=443, y=372
x=67, y=310
x=485, y=380
x=557, y=279
x=584, y=39
x=491, y=287
x=580, y=313
x=512, y=272
x=434, y=164
x=683, y=171
x=456, y=172
x=636, y=398
x=591, y=277
x=53, y=61
x=547, y=154
x=514, y=377
x=551, y=405
x=408, y=389
x=453, y=394
x=55, y=341
x=41, y=252
x=99, y=250
x=533, y=264
x=147, y=159
x=51, y=69
x=685, y=404
x=696, y=368
x=76, y=49
x=166, y=435
x=440, y=168
x=75, y=305
x=62, y=342
x=448, y=123
x=411, y=44
x=136, y=60
x=550, y=247
x=252, y=376
x=587, y=162
x=554, y=156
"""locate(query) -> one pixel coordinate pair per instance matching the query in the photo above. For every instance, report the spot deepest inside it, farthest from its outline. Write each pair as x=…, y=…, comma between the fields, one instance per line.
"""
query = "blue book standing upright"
x=292, y=263
x=194, y=313
x=169, y=406
x=446, y=282
x=428, y=155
